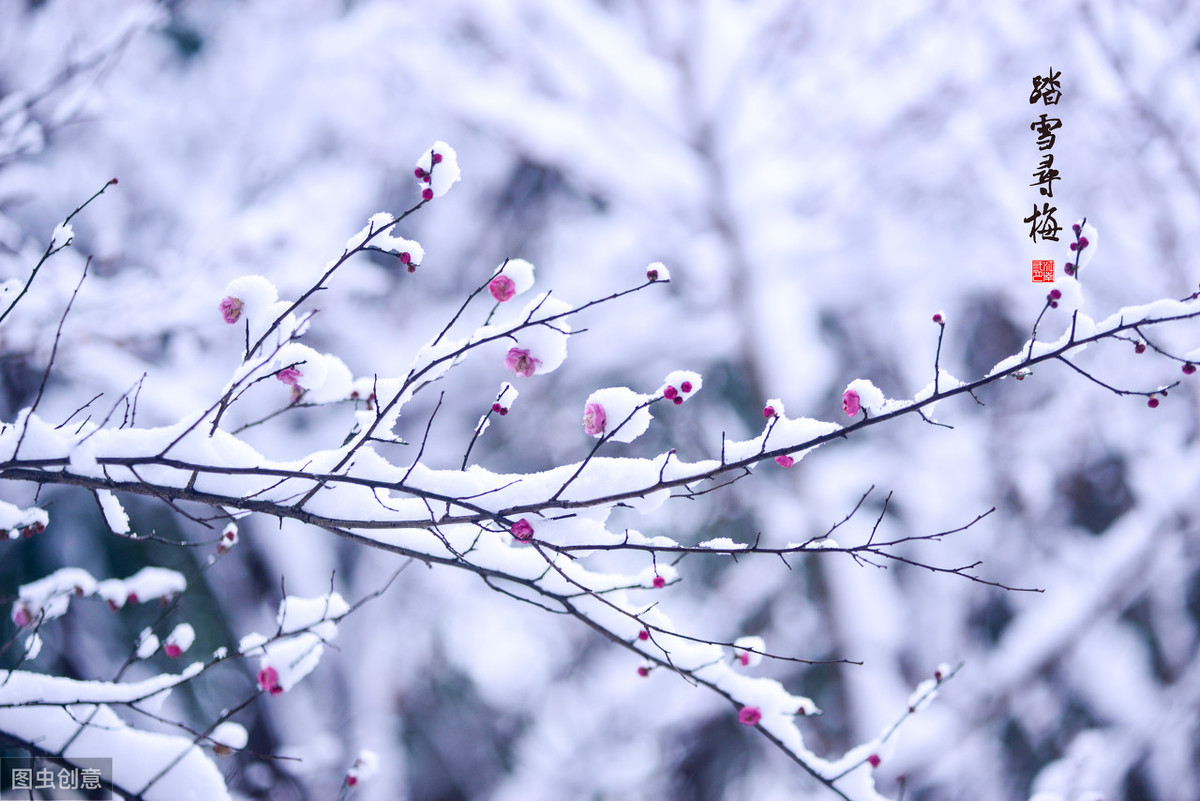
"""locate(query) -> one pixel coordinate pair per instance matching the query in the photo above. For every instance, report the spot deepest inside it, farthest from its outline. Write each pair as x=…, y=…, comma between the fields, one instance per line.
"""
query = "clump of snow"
x=63, y=234
x=147, y=644
x=114, y=513
x=230, y=735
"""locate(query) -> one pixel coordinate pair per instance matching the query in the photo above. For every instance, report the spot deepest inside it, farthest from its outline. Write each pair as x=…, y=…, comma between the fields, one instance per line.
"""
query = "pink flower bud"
x=520, y=362
x=172, y=650
x=21, y=615
x=643, y=671
x=1069, y=269
x=522, y=530
x=268, y=680
x=419, y=173
x=873, y=760
x=939, y=319
x=405, y=257
x=594, y=419
x=289, y=376
x=744, y=659
x=651, y=275
x=1139, y=347
x=851, y=403
x=784, y=461
x=670, y=393
x=1189, y=368
x=685, y=387
x=502, y=288
x=643, y=635
x=1055, y=294
x=749, y=715
x=659, y=582
x=437, y=158
x=351, y=780
x=426, y=194
x=768, y=411
x=1083, y=242
x=677, y=400
x=1152, y=403
x=231, y=309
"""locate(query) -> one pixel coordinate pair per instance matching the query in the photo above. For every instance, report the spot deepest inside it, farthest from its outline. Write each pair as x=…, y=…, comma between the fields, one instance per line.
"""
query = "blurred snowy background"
x=820, y=179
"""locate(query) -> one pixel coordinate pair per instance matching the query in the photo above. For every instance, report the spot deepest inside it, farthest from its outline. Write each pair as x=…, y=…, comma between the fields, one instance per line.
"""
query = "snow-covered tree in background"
x=818, y=185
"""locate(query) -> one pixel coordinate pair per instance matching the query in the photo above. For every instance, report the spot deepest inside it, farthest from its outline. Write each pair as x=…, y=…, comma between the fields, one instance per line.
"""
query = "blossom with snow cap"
x=268, y=680
x=502, y=288
x=680, y=385
x=364, y=767
x=290, y=376
x=851, y=402
x=784, y=461
x=521, y=361
x=179, y=640
x=512, y=278
x=231, y=309
x=594, y=419
x=749, y=715
x=437, y=170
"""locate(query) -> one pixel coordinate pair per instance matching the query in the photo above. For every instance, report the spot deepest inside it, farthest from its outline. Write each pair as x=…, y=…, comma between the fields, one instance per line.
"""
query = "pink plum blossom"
x=289, y=376
x=172, y=650
x=594, y=419
x=268, y=679
x=659, y=582
x=749, y=715
x=522, y=530
x=521, y=362
x=784, y=461
x=502, y=288
x=851, y=403
x=874, y=760
x=231, y=309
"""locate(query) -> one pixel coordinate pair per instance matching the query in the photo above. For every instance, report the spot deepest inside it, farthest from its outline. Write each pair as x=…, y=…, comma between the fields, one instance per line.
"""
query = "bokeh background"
x=820, y=178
